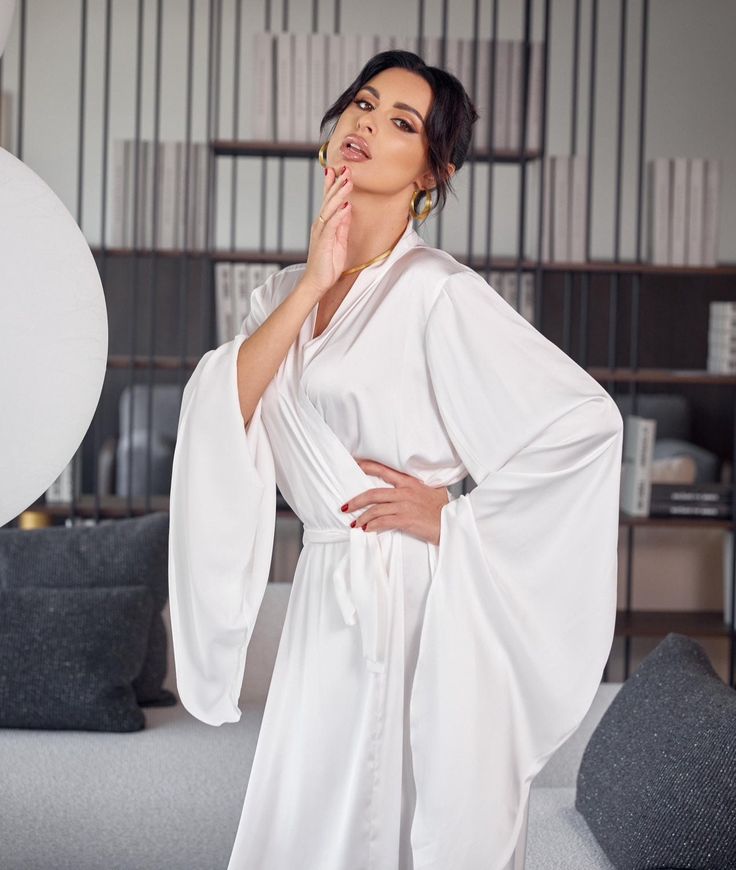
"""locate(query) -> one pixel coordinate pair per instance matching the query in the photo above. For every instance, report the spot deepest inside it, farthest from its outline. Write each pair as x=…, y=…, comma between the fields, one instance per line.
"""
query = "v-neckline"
x=359, y=281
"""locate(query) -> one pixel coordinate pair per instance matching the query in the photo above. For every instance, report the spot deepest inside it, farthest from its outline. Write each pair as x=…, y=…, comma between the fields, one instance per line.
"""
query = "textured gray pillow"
x=127, y=552
x=657, y=781
x=68, y=657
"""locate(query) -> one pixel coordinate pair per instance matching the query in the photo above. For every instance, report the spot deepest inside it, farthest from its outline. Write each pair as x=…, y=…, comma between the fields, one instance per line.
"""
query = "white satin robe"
x=418, y=689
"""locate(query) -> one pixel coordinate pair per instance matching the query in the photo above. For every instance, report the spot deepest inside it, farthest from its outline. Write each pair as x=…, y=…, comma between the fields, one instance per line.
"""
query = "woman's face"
x=394, y=134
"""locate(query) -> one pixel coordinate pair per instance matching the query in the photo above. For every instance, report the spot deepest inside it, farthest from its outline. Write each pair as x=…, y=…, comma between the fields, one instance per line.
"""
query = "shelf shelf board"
x=479, y=262
x=169, y=253
x=116, y=507
x=657, y=623
x=692, y=522
x=173, y=363
x=661, y=376
x=270, y=148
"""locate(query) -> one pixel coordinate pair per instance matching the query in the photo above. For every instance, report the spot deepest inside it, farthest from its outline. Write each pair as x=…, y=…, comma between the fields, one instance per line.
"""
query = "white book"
x=695, y=212
x=561, y=206
x=711, y=216
x=383, y=43
x=716, y=364
x=501, y=94
x=150, y=191
x=318, y=101
x=516, y=60
x=658, y=210
x=367, y=48
x=128, y=212
x=300, y=91
x=723, y=347
x=201, y=196
x=178, y=195
x=284, y=86
x=527, y=296
x=680, y=182
x=139, y=158
x=224, y=309
x=334, y=67
x=638, y=452
x=579, y=208
x=720, y=308
x=509, y=289
x=482, y=97
x=431, y=50
x=117, y=228
x=241, y=293
x=534, y=104
x=454, y=56
x=70, y=480
x=6, y=120
x=466, y=63
x=167, y=203
x=350, y=57
x=264, y=93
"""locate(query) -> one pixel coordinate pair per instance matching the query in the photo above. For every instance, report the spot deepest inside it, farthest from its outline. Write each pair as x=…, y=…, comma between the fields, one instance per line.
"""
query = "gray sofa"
x=170, y=796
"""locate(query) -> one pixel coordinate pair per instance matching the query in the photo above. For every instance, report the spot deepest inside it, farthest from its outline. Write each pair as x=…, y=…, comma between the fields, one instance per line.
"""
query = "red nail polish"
x=352, y=525
x=345, y=204
x=344, y=507
x=325, y=170
x=363, y=527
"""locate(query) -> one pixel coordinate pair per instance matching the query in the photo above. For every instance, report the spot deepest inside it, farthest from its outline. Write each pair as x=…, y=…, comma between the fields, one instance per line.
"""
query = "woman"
x=435, y=651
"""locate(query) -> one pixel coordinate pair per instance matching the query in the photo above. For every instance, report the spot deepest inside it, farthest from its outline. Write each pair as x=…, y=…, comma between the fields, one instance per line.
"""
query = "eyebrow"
x=397, y=105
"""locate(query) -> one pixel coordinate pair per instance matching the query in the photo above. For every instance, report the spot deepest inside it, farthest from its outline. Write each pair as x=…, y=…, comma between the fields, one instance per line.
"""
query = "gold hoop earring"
x=422, y=216
x=322, y=154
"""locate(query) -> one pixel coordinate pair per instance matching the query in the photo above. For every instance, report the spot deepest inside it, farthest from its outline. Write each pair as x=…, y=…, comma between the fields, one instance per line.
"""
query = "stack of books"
x=163, y=170
x=295, y=77
x=722, y=338
x=564, y=207
x=683, y=210
x=234, y=282
x=636, y=466
x=506, y=284
x=6, y=120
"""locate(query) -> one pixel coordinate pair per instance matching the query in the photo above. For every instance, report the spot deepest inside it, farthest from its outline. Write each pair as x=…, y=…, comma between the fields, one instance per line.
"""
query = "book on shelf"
x=564, y=208
x=722, y=338
x=176, y=177
x=234, y=283
x=638, y=453
x=506, y=285
x=683, y=210
x=6, y=120
x=293, y=75
x=69, y=481
x=692, y=500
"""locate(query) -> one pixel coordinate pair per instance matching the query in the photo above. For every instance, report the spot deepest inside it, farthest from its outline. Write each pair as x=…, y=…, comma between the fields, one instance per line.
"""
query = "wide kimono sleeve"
x=221, y=528
x=521, y=609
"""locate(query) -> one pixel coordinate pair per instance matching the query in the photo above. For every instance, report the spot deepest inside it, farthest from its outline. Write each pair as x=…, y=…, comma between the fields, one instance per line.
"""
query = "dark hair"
x=449, y=122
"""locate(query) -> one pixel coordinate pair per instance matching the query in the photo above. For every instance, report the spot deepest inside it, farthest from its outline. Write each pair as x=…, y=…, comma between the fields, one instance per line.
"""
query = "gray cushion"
x=127, y=552
x=657, y=780
x=68, y=657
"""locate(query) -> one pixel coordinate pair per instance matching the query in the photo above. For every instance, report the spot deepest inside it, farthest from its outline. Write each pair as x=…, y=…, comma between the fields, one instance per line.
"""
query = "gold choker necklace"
x=374, y=260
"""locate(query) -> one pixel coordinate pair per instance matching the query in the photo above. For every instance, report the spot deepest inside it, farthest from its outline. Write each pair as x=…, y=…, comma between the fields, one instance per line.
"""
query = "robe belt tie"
x=361, y=588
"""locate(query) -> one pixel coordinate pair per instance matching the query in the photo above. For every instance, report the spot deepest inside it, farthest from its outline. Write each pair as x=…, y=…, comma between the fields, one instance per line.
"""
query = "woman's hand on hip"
x=410, y=506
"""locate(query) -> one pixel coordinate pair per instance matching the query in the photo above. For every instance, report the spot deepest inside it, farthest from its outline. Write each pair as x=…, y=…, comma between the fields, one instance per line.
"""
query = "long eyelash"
x=408, y=127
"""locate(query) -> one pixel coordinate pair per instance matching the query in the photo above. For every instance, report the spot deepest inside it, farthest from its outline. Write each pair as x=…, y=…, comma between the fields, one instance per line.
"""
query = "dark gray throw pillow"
x=657, y=781
x=128, y=552
x=68, y=657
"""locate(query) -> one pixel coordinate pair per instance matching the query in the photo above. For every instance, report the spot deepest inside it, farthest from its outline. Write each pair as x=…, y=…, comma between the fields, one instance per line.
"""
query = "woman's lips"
x=350, y=153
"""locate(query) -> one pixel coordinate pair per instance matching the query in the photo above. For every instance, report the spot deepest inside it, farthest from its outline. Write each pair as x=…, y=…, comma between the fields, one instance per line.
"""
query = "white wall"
x=690, y=104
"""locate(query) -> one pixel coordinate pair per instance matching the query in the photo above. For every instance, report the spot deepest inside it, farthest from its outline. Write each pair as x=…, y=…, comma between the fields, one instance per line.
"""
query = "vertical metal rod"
x=208, y=298
x=236, y=125
x=521, y=228
x=443, y=64
x=491, y=136
x=263, y=175
x=137, y=188
x=185, y=261
x=21, y=75
x=153, y=288
x=99, y=416
x=76, y=458
x=474, y=89
x=538, y=270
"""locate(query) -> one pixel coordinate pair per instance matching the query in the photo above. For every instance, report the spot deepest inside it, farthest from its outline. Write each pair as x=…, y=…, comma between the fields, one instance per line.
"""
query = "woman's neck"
x=372, y=232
